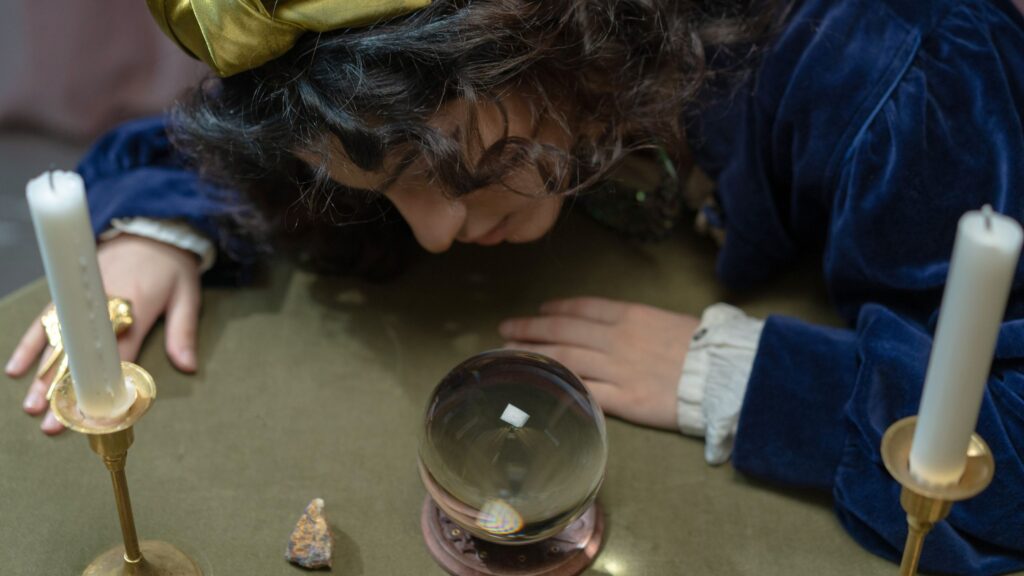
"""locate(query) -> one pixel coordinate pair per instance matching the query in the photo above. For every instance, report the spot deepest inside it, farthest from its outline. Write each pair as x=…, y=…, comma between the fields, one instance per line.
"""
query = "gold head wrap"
x=237, y=35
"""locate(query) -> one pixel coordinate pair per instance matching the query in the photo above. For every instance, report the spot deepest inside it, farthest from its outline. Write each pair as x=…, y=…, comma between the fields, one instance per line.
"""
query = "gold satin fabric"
x=232, y=36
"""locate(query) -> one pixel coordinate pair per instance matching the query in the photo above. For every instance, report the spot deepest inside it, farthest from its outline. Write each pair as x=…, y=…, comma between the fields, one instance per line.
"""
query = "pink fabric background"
x=73, y=68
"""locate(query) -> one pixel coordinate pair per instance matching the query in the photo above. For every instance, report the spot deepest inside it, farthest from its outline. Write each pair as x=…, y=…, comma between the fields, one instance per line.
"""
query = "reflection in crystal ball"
x=514, y=447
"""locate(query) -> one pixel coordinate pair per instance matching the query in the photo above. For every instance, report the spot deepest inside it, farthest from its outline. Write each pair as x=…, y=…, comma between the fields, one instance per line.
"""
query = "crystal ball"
x=513, y=447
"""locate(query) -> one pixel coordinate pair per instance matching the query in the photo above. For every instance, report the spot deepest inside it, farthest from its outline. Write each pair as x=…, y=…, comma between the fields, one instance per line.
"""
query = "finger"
x=585, y=363
x=182, y=318
x=51, y=425
x=35, y=401
x=130, y=342
x=609, y=397
x=28, y=349
x=589, y=307
x=557, y=330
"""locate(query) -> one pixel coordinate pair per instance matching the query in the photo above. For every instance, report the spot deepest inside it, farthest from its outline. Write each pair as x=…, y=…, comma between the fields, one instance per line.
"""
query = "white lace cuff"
x=714, y=380
x=171, y=232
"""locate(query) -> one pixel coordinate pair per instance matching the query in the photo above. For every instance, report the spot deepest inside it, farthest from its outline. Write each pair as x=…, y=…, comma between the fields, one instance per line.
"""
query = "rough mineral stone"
x=312, y=542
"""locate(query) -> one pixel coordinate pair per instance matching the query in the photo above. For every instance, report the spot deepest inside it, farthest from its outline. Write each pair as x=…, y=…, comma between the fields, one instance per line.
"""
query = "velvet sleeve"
x=947, y=137
x=134, y=171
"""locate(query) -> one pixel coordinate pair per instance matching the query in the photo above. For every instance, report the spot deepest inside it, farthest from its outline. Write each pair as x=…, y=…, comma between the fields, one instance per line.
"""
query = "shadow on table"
x=221, y=307
x=812, y=497
x=348, y=561
x=449, y=306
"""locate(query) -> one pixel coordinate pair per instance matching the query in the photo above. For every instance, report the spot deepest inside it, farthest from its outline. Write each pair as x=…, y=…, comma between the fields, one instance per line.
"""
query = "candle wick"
x=986, y=211
x=50, y=175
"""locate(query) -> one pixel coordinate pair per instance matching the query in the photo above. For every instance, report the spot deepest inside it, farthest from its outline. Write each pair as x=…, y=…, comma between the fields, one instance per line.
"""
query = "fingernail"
x=188, y=358
x=12, y=364
x=33, y=404
x=51, y=425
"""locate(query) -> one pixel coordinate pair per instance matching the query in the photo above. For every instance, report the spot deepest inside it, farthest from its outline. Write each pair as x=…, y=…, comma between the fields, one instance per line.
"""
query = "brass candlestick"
x=925, y=504
x=110, y=439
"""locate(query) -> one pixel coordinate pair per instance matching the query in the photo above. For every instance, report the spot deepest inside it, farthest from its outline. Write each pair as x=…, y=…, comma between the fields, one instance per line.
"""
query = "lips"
x=495, y=235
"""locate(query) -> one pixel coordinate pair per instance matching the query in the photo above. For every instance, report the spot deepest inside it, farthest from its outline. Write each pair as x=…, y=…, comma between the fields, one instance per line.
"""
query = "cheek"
x=537, y=221
x=534, y=215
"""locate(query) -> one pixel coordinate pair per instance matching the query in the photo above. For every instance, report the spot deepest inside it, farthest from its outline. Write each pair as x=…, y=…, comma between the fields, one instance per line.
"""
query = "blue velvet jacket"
x=868, y=129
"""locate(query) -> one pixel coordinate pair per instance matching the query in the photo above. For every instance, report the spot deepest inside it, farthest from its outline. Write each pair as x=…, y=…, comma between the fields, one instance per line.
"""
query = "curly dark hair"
x=631, y=68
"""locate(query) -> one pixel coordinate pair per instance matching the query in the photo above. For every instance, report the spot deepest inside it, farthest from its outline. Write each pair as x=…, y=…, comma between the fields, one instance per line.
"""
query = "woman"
x=859, y=131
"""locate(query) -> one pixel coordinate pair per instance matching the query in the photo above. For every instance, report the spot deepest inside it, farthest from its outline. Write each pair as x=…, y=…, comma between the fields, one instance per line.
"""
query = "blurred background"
x=69, y=71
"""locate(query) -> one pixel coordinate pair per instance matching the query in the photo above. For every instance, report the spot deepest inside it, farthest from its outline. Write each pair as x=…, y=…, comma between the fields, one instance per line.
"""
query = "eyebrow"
x=403, y=165
x=352, y=191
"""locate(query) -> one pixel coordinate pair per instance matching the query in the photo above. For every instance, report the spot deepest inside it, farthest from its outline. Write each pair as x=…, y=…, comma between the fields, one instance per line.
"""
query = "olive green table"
x=315, y=387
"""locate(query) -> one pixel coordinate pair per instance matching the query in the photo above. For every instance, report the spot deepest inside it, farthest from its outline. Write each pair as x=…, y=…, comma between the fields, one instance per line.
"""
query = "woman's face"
x=487, y=216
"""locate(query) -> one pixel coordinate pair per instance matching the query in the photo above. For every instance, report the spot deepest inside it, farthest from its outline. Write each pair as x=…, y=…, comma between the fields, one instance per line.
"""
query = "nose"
x=435, y=218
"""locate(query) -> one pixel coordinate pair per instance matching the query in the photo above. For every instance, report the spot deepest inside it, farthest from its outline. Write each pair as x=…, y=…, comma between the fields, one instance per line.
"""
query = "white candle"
x=61, y=218
x=981, y=272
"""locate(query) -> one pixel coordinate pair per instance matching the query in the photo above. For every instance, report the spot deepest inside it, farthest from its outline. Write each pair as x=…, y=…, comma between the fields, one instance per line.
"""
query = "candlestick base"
x=110, y=438
x=925, y=504
x=158, y=559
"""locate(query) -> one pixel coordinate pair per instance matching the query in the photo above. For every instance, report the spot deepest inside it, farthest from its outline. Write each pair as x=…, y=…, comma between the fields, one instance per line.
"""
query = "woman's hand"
x=157, y=278
x=630, y=356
